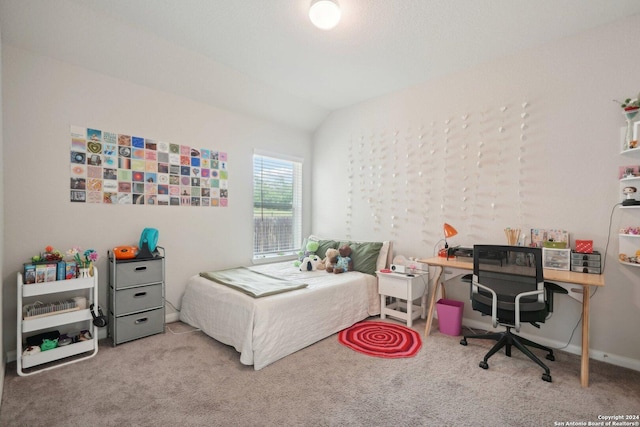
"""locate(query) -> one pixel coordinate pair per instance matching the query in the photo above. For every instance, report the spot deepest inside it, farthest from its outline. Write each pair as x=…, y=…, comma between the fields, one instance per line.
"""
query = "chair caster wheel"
x=546, y=377
x=551, y=357
x=484, y=365
x=463, y=341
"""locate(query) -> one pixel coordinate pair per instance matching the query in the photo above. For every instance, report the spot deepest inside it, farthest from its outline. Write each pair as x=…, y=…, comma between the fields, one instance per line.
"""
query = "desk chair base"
x=507, y=339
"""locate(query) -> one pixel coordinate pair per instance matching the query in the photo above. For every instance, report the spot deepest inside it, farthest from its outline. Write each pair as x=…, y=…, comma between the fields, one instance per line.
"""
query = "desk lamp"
x=449, y=231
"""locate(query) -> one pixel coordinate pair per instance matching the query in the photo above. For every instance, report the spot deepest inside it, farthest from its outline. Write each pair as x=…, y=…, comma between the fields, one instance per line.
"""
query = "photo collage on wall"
x=108, y=167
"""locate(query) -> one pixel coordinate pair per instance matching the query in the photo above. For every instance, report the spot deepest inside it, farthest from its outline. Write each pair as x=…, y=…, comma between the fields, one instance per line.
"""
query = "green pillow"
x=323, y=245
x=364, y=255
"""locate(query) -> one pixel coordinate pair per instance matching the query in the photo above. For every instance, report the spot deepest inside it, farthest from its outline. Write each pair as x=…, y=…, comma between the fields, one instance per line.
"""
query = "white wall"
x=530, y=141
x=2, y=354
x=43, y=97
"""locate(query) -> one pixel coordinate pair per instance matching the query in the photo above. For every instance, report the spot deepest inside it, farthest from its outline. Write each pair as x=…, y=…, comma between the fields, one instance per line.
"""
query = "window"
x=277, y=206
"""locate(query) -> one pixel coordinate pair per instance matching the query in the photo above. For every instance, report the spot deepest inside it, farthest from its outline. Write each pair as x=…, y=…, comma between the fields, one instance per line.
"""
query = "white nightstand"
x=406, y=287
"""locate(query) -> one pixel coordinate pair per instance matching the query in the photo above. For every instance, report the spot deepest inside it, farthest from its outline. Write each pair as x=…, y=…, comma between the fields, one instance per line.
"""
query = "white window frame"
x=291, y=250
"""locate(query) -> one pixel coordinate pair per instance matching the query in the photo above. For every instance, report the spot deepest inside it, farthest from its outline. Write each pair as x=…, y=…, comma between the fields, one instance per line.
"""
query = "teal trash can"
x=450, y=316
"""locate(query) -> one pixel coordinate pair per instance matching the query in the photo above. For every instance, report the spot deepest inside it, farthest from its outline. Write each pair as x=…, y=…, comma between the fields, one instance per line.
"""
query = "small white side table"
x=405, y=287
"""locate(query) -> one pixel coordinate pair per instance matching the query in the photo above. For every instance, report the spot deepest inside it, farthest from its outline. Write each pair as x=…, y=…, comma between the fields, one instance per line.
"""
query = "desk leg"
x=584, y=368
x=432, y=302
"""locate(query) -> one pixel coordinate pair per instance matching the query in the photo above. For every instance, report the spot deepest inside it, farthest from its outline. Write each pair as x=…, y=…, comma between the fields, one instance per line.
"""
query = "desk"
x=583, y=279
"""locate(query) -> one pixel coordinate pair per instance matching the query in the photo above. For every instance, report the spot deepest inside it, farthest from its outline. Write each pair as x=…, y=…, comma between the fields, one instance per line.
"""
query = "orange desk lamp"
x=449, y=231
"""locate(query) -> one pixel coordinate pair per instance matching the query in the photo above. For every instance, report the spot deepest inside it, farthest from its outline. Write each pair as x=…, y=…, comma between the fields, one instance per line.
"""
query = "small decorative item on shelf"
x=630, y=107
x=48, y=267
x=631, y=259
x=629, y=192
x=630, y=230
x=50, y=254
x=85, y=266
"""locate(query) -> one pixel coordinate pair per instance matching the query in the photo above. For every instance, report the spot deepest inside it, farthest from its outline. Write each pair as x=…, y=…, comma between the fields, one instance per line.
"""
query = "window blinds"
x=277, y=205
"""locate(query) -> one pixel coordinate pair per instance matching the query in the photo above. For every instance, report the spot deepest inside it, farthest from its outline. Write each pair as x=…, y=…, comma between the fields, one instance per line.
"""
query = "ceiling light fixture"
x=325, y=14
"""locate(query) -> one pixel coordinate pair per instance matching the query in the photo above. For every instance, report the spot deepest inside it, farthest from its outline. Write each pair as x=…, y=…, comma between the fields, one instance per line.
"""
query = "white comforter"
x=266, y=329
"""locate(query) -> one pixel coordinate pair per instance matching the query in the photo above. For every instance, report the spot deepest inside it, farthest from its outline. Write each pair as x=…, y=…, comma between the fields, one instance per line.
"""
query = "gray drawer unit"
x=579, y=257
x=139, y=325
x=136, y=297
x=141, y=298
x=591, y=270
x=586, y=263
x=133, y=273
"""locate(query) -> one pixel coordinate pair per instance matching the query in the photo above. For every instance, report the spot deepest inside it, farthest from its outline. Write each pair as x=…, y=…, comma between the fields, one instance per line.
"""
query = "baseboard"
x=613, y=359
x=172, y=317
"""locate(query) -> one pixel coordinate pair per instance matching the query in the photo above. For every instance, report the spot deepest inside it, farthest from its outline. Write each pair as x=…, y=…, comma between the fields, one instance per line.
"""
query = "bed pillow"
x=364, y=255
x=323, y=245
x=384, y=254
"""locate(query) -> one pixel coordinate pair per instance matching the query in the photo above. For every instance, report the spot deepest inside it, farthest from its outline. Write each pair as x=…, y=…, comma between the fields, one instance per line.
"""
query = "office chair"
x=508, y=285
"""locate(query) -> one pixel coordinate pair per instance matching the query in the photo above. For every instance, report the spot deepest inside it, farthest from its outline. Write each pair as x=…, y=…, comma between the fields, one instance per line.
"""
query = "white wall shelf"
x=629, y=244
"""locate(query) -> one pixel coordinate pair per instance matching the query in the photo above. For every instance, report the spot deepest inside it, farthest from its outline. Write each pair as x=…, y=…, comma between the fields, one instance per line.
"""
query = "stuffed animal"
x=311, y=248
x=330, y=258
x=343, y=261
x=310, y=263
x=326, y=261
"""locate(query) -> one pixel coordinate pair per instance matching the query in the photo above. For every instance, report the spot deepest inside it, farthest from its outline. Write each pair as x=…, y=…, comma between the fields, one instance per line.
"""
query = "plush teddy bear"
x=310, y=263
x=311, y=248
x=329, y=260
x=343, y=262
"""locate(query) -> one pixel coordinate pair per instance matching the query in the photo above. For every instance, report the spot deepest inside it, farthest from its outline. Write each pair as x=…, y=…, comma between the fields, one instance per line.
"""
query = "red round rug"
x=381, y=339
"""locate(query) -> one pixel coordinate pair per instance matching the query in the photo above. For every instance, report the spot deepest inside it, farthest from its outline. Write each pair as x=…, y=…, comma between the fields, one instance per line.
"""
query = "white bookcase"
x=31, y=326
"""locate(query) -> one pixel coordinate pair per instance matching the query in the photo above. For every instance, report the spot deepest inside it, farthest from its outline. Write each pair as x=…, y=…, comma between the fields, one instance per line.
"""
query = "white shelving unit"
x=28, y=327
x=629, y=244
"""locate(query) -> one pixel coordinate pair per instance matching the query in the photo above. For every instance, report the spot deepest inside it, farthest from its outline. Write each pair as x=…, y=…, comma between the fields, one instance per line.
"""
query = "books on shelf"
x=41, y=272
x=70, y=270
x=29, y=274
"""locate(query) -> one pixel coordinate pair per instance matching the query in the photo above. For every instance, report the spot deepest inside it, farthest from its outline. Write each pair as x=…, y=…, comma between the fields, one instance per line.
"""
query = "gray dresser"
x=136, y=297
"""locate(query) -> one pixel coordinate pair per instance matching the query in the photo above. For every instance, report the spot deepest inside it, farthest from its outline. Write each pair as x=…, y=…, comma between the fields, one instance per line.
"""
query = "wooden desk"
x=583, y=279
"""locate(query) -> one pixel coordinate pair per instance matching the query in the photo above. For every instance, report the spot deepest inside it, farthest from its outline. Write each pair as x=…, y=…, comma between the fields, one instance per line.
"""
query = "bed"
x=264, y=330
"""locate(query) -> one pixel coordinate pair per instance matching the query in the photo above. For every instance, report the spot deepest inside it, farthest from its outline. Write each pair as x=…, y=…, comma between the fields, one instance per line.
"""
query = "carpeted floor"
x=189, y=379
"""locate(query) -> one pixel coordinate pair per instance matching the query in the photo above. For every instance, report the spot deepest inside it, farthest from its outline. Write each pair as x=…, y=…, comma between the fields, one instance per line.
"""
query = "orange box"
x=584, y=246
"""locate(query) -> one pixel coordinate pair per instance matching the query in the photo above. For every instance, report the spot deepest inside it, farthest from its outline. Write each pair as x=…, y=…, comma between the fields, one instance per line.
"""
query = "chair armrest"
x=551, y=288
x=517, y=303
x=494, y=303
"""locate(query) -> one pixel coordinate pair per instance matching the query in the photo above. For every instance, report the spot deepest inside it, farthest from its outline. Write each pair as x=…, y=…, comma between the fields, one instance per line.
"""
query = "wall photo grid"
x=113, y=168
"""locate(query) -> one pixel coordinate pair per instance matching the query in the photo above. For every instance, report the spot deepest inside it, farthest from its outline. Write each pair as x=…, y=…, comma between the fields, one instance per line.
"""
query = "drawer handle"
x=141, y=268
x=139, y=294
x=143, y=320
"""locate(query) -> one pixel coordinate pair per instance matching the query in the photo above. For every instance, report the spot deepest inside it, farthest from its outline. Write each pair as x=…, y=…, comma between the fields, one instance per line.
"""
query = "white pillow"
x=381, y=263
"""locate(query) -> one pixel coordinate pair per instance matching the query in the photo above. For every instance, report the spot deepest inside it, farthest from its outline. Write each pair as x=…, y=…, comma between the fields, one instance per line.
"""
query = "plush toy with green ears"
x=310, y=250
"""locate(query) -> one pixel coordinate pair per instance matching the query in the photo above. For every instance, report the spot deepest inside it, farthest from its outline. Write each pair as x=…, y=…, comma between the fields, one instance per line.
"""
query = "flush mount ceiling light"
x=325, y=14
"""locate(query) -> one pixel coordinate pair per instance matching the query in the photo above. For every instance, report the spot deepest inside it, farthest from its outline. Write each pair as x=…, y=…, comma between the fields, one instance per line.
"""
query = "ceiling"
x=265, y=58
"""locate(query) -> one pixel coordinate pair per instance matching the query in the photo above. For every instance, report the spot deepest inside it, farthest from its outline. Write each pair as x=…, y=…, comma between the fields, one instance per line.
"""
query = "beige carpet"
x=189, y=379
